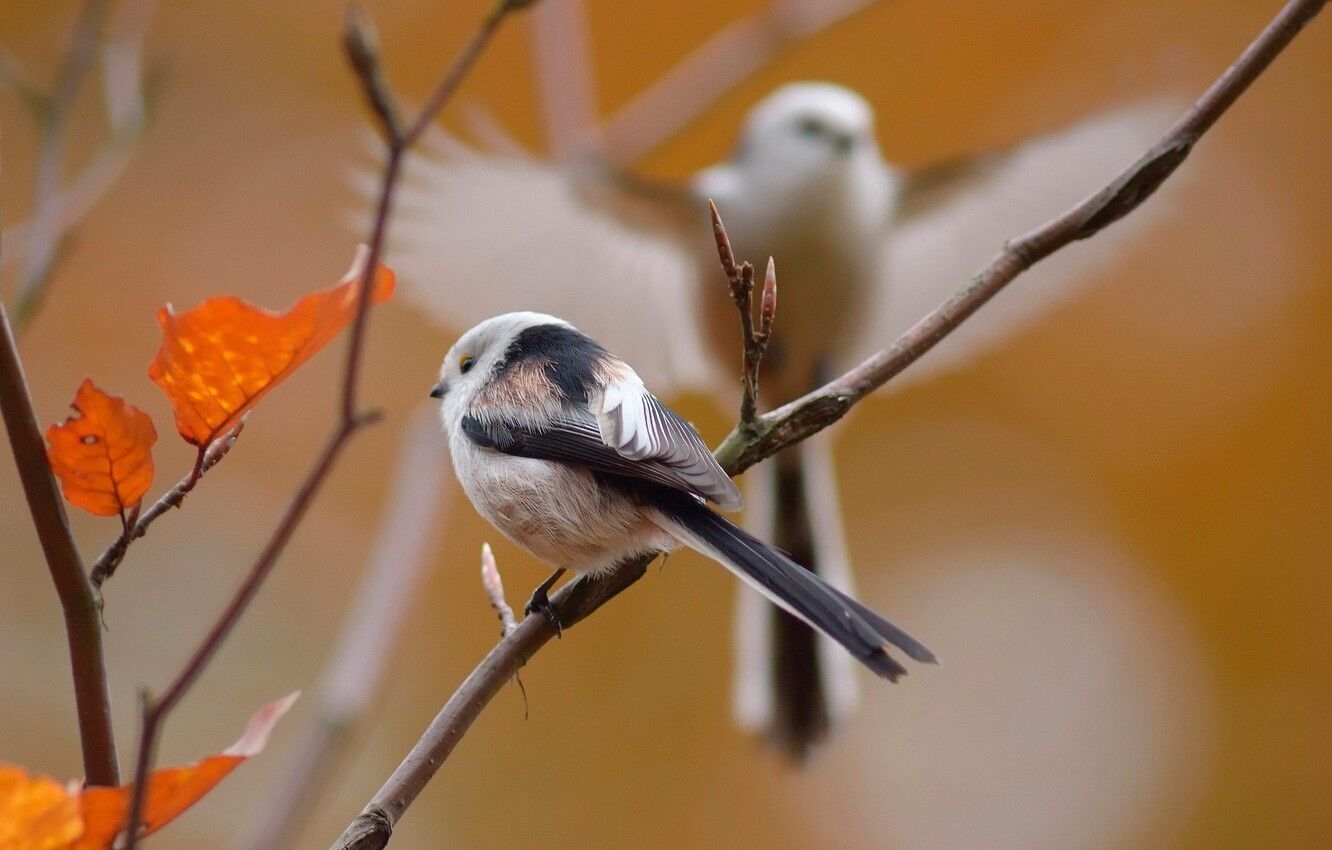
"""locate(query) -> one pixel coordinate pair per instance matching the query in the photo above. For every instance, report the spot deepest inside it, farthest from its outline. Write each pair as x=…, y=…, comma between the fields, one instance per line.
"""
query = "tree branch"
x=360, y=44
x=741, y=279
x=106, y=563
x=373, y=828
x=56, y=208
x=83, y=627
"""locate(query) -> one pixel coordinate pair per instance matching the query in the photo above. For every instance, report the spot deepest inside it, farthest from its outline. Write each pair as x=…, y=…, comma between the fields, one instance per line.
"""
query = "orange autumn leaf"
x=219, y=359
x=36, y=813
x=39, y=814
x=103, y=453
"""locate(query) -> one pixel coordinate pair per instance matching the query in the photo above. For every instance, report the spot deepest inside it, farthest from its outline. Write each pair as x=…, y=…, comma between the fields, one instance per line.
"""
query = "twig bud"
x=768, y=305
x=490, y=580
x=361, y=41
x=724, y=252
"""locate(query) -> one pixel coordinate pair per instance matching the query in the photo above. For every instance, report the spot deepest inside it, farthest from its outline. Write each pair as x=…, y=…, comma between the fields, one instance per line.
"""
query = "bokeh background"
x=1114, y=529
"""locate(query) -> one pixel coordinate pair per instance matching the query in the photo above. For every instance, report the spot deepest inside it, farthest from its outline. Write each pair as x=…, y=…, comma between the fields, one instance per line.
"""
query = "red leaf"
x=219, y=359
x=103, y=453
x=36, y=813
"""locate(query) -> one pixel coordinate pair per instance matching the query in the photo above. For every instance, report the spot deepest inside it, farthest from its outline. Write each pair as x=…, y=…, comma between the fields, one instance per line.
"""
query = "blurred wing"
x=954, y=218
x=478, y=234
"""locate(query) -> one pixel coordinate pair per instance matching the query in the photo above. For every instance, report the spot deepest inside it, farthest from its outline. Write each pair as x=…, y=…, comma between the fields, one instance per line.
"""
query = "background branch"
x=57, y=207
x=713, y=69
x=360, y=43
x=372, y=829
x=370, y=633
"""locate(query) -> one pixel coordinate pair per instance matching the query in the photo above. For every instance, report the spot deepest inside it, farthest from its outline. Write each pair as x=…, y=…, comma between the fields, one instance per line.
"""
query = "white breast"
x=557, y=512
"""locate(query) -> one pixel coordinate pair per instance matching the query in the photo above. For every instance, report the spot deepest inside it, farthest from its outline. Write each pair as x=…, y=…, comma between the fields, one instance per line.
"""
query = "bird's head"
x=808, y=129
x=475, y=358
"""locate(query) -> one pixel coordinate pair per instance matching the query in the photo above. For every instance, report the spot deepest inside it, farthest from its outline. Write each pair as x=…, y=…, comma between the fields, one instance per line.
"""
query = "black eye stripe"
x=810, y=127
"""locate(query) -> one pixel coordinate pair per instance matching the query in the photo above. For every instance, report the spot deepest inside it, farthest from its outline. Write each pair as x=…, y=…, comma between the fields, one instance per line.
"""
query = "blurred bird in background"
x=863, y=251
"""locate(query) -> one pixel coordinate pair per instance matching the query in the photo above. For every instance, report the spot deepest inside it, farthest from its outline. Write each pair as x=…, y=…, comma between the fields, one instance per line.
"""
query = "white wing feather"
x=478, y=234
x=929, y=256
x=638, y=426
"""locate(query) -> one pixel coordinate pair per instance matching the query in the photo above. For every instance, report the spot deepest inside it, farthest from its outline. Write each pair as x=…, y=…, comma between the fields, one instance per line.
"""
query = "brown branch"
x=817, y=410
x=372, y=829
x=360, y=44
x=83, y=627
x=741, y=279
x=374, y=826
x=106, y=563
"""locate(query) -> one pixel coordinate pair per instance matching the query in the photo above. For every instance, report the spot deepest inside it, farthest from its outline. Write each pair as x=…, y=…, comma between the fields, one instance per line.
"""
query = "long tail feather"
x=780, y=579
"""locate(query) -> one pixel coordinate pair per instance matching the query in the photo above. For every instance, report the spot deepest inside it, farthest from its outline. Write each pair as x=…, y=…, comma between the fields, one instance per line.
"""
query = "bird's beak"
x=438, y=390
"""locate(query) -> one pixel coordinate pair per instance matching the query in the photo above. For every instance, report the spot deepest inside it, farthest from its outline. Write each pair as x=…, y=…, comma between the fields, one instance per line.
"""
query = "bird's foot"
x=540, y=603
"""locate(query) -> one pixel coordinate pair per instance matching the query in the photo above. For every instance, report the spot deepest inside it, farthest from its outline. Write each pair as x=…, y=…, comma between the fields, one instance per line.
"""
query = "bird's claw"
x=540, y=603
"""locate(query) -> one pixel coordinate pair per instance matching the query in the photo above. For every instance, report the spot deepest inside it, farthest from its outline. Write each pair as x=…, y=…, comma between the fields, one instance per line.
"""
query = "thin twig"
x=44, y=234
x=371, y=633
x=372, y=829
x=124, y=101
x=360, y=45
x=755, y=339
x=105, y=565
x=83, y=627
x=713, y=69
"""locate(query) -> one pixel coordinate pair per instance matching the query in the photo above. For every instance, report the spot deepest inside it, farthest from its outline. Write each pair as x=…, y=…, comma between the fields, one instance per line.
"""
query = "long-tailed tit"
x=864, y=251
x=560, y=445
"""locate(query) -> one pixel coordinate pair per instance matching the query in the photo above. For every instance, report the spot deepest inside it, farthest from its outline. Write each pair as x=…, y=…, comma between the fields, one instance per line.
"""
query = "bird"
x=864, y=249
x=560, y=445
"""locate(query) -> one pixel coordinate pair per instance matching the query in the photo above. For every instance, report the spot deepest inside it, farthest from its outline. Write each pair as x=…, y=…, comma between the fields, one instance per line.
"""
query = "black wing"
x=576, y=439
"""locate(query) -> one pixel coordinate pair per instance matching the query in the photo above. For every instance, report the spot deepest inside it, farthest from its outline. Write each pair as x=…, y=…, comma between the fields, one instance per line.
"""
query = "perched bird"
x=863, y=251
x=560, y=445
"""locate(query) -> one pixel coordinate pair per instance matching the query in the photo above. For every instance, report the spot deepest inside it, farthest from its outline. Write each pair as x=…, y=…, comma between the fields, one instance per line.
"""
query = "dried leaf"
x=36, y=813
x=39, y=814
x=219, y=359
x=103, y=453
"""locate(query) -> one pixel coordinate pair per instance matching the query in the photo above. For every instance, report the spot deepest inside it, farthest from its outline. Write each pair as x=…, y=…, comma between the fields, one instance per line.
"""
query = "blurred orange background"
x=1114, y=529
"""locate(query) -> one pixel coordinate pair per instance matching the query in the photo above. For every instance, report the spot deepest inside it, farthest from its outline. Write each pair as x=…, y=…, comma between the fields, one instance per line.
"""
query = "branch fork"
x=754, y=336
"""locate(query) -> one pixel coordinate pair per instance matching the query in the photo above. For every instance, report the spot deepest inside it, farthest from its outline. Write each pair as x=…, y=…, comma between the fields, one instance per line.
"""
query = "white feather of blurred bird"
x=863, y=251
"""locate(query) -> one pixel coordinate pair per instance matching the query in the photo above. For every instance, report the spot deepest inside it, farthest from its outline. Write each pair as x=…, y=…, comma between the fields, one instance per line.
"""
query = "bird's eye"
x=810, y=127
x=465, y=363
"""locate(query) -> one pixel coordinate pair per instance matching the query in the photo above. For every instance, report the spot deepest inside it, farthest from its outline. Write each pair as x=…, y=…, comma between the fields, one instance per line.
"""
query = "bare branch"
x=373, y=828
x=83, y=628
x=755, y=339
x=105, y=565
x=57, y=208
x=364, y=61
